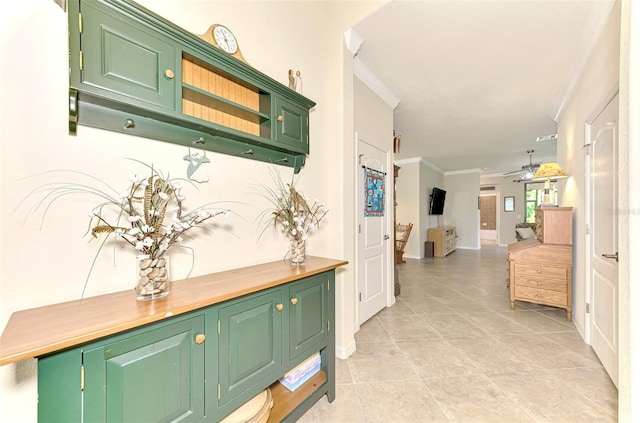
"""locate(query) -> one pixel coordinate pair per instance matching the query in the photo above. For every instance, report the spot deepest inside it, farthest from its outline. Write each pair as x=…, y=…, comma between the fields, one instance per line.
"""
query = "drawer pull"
x=200, y=338
x=169, y=74
x=294, y=301
x=280, y=118
x=279, y=307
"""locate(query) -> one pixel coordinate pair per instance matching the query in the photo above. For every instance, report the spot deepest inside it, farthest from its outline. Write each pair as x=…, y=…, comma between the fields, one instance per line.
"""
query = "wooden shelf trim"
x=285, y=401
x=43, y=330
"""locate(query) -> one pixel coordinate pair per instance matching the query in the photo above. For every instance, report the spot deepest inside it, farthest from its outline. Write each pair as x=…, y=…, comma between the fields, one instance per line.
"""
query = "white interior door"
x=373, y=236
x=602, y=160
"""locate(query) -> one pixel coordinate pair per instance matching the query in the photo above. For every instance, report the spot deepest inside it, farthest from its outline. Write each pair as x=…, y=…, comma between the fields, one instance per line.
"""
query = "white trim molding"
x=420, y=160
x=371, y=80
x=462, y=171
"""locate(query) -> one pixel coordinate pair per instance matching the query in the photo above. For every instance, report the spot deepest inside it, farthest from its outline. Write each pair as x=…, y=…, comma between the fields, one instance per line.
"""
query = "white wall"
x=461, y=207
x=612, y=62
x=408, y=199
x=416, y=179
x=598, y=79
x=34, y=139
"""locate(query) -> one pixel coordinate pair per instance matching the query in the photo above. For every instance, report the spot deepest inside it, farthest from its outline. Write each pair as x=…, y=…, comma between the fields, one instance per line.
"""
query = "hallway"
x=451, y=350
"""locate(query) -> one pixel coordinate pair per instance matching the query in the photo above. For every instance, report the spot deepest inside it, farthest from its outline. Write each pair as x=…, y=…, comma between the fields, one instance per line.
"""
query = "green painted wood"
x=60, y=396
x=158, y=373
x=153, y=375
x=293, y=129
x=250, y=343
x=125, y=61
x=219, y=140
x=308, y=317
x=126, y=50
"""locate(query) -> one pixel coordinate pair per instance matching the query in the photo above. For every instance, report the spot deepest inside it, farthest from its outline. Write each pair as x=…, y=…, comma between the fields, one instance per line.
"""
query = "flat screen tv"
x=436, y=203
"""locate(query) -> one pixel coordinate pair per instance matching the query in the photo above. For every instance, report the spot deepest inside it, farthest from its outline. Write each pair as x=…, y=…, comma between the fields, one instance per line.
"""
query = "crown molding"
x=353, y=40
x=463, y=171
x=420, y=160
x=593, y=28
x=371, y=80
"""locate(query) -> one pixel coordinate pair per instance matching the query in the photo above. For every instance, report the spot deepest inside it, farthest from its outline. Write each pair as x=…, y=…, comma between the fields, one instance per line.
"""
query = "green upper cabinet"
x=292, y=125
x=124, y=62
x=136, y=73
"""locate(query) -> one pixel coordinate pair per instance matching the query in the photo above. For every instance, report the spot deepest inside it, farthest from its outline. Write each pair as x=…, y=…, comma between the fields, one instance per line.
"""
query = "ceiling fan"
x=527, y=171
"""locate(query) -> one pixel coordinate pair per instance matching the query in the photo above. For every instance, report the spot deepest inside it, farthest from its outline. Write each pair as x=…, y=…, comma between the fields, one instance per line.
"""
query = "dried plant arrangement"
x=149, y=215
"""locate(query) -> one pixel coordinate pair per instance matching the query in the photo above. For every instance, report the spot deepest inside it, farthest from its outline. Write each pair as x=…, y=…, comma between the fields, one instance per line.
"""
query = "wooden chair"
x=402, y=236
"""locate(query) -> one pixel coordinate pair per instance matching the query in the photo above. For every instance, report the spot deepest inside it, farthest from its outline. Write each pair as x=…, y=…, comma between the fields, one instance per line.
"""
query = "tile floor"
x=451, y=350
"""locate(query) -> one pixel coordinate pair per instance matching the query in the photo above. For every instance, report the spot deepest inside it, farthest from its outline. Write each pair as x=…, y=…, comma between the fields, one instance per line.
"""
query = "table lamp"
x=547, y=171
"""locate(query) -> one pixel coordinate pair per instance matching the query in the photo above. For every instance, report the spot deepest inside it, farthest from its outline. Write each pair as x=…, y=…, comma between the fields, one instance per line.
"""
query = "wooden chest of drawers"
x=541, y=273
x=444, y=240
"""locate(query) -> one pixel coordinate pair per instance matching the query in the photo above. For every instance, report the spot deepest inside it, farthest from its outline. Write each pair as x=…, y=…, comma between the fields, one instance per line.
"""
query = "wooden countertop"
x=525, y=243
x=38, y=331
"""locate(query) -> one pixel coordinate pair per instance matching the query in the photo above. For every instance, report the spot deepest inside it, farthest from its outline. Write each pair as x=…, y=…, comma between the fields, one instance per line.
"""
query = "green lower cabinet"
x=308, y=315
x=156, y=376
x=250, y=343
x=166, y=371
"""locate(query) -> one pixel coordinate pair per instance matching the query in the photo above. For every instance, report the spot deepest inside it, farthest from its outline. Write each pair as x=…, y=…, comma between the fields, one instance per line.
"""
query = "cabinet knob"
x=539, y=271
x=539, y=283
x=280, y=118
x=294, y=301
x=169, y=74
x=279, y=307
x=200, y=338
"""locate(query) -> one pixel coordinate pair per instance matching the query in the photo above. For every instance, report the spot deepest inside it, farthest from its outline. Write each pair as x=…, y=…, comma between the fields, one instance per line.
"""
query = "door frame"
x=358, y=216
x=587, y=209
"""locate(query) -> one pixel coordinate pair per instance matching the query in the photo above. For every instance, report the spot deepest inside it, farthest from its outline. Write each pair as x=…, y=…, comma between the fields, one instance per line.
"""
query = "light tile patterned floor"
x=452, y=350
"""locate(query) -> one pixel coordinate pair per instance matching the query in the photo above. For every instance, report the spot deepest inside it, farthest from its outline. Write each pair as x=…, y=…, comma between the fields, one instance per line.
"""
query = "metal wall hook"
x=249, y=152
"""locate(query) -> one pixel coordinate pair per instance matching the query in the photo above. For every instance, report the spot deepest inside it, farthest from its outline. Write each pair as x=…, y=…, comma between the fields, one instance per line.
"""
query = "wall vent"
x=488, y=188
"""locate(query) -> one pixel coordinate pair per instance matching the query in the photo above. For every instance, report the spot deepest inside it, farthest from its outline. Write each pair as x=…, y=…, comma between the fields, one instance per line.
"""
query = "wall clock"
x=223, y=38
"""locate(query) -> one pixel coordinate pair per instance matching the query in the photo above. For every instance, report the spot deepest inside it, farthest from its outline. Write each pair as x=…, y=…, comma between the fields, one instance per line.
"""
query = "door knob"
x=611, y=256
x=386, y=237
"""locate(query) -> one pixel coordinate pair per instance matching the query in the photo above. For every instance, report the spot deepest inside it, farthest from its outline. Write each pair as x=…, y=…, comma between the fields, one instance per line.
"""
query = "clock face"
x=225, y=39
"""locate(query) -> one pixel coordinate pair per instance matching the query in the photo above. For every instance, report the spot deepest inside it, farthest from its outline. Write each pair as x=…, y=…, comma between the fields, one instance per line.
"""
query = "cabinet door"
x=154, y=375
x=250, y=343
x=308, y=315
x=291, y=125
x=124, y=61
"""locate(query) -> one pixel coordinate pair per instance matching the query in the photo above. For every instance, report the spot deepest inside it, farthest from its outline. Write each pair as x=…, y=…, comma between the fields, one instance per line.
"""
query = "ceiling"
x=478, y=81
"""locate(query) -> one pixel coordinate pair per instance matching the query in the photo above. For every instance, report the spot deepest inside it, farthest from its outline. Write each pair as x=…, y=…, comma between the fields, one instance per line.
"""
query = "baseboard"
x=458, y=247
x=411, y=256
x=345, y=352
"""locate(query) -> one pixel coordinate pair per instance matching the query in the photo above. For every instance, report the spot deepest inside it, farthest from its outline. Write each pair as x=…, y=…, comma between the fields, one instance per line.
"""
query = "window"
x=533, y=198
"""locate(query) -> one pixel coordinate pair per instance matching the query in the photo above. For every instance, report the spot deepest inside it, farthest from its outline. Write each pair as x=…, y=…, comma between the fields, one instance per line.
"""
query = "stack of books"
x=302, y=373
